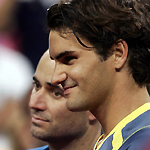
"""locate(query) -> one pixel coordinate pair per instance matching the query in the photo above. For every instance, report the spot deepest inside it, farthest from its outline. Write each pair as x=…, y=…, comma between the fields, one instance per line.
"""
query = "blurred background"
x=23, y=40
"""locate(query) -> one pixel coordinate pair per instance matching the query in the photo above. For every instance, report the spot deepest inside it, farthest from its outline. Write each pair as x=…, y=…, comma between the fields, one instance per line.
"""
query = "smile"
x=37, y=119
x=67, y=89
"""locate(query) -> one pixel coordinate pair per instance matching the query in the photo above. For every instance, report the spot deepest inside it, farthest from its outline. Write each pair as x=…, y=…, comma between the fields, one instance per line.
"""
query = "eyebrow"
x=48, y=83
x=54, y=86
x=59, y=56
x=35, y=79
x=51, y=85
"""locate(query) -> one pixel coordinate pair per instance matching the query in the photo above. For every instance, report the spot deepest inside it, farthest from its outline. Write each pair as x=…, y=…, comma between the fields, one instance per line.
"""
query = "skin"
x=106, y=88
x=75, y=73
x=52, y=121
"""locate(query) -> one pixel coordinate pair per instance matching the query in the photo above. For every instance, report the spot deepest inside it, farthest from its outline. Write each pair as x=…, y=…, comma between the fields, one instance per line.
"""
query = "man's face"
x=85, y=78
x=51, y=119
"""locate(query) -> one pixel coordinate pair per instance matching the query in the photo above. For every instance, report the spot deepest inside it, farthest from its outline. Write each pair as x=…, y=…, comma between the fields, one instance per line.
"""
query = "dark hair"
x=104, y=22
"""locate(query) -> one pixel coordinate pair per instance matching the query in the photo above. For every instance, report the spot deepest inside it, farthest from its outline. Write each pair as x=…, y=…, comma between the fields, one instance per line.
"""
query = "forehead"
x=45, y=68
x=59, y=42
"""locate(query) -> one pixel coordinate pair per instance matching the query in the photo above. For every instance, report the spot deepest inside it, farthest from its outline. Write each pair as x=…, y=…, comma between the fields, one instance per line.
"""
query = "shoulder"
x=139, y=140
x=41, y=148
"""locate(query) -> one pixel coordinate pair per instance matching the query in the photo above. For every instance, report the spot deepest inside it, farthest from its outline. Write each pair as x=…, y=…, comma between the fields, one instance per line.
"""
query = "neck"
x=119, y=104
x=86, y=141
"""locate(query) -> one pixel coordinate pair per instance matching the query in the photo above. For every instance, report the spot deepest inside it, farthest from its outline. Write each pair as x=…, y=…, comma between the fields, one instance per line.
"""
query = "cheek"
x=58, y=109
x=79, y=71
x=62, y=115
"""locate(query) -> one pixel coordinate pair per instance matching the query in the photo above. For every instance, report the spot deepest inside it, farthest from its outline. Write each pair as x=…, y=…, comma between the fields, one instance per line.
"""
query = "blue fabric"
x=41, y=148
x=138, y=141
x=107, y=144
x=135, y=135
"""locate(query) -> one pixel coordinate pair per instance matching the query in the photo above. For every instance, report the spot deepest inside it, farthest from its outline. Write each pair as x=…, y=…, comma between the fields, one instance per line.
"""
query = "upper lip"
x=39, y=118
x=67, y=87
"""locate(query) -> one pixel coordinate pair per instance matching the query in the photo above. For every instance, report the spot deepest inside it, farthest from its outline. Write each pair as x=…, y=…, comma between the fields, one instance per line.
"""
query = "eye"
x=36, y=85
x=68, y=59
x=57, y=94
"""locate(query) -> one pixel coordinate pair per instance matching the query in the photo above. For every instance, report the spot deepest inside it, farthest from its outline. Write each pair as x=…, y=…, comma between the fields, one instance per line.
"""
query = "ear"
x=91, y=117
x=120, y=53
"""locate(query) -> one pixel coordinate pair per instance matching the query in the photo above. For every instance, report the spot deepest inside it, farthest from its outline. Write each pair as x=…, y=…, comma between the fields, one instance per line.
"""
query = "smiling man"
x=52, y=122
x=101, y=50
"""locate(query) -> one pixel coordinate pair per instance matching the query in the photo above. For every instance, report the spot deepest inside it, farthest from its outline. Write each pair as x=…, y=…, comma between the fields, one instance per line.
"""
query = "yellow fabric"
x=117, y=129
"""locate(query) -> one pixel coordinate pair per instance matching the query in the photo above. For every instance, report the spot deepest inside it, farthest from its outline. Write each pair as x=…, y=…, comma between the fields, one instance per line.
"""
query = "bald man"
x=52, y=122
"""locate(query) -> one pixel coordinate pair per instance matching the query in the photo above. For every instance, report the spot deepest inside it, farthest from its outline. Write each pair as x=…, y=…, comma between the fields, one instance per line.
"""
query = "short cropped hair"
x=102, y=23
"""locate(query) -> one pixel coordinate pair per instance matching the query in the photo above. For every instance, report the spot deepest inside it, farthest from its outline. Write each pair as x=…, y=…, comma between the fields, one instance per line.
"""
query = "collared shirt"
x=41, y=148
x=132, y=133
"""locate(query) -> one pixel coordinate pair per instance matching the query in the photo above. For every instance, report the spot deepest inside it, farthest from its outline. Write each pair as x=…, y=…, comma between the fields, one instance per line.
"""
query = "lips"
x=38, y=119
x=67, y=89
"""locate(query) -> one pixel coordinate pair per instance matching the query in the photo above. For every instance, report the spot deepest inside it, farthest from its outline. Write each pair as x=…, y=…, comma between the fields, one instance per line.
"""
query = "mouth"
x=37, y=119
x=67, y=89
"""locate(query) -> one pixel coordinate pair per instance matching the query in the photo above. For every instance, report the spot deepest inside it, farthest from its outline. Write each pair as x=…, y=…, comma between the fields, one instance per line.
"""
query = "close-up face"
x=50, y=117
x=85, y=79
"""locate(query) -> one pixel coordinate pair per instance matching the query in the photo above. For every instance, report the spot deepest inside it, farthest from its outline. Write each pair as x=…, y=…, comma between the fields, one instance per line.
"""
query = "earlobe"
x=91, y=117
x=120, y=53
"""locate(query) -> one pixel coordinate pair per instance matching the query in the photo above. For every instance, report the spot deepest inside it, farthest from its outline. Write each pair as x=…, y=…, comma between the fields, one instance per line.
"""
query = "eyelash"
x=67, y=59
x=56, y=93
x=36, y=85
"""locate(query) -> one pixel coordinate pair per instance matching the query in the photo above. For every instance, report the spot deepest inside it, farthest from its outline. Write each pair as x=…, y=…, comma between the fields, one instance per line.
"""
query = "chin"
x=39, y=135
x=74, y=107
x=36, y=131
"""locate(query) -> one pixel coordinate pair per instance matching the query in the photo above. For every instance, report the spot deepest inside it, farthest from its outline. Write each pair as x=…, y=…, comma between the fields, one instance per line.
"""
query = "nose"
x=37, y=100
x=59, y=75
